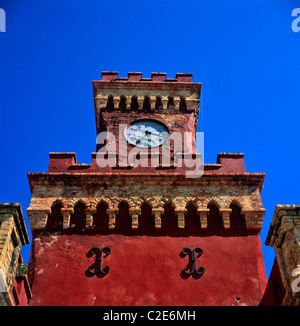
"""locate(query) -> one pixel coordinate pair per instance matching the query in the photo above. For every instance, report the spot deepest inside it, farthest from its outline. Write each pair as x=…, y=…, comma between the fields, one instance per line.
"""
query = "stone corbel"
x=203, y=213
x=254, y=218
x=134, y=213
x=38, y=217
x=116, y=100
x=176, y=101
x=157, y=212
x=112, y=212
x=152, y=101
x=66, y=213
x=191, y=104
x=180, y=212
x=140, y=101
x=225, y=213
x=164, y=102
x=101, y=101
x=128, y=103
x=89, y=212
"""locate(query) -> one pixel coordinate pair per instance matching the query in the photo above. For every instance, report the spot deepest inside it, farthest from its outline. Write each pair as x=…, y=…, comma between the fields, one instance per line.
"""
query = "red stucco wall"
x=20, y=292
x=147, y=270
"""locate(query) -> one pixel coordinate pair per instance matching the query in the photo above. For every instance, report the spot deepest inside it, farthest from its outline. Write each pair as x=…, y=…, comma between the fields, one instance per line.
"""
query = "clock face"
x=146, y=134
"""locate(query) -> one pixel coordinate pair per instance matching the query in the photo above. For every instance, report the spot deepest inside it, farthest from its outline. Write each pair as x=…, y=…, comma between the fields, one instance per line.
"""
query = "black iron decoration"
x=96, y=268
x=191, y=268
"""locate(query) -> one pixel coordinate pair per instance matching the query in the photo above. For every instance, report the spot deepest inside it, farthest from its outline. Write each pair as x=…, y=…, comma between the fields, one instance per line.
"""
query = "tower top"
x=155, y=77
x=157, y=94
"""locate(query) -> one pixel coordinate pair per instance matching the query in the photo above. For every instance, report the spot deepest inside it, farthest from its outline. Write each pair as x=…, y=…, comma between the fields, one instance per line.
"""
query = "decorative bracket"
x=112, y=212
x=191, y=268
x=158, y=212
x=97, y=266
x=203, y=212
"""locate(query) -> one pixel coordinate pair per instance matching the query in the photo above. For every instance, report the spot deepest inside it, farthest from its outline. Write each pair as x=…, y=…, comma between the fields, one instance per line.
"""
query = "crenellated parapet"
x=157, y=94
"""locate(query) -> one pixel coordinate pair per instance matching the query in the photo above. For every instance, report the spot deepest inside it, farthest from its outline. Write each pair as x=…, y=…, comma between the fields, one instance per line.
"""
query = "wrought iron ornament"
x=191, y=267
x=97, y=266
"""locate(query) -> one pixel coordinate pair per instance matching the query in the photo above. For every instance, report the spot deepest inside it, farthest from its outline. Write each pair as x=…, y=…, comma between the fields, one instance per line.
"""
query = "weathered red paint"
x=20, y=291
x=146, y=270
x=146, y=267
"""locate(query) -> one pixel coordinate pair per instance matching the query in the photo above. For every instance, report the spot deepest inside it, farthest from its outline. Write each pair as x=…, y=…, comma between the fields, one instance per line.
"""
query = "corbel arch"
x=194, y=201
x=234, y=201
x=212, y=201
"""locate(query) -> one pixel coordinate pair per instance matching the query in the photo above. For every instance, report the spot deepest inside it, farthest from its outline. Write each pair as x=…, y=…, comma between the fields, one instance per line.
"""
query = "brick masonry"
x=13, y=235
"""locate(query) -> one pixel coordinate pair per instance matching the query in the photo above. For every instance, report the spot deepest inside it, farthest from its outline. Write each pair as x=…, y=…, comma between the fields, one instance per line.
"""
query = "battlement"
x=155, y=77
x=151, y=96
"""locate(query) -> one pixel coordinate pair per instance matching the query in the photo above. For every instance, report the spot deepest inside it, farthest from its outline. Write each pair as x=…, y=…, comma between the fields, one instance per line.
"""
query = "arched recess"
x=169, y=223
x=192, y=221
x=100, y=220
x=122, y=104
x=237, y=220
x=55, y=219
x=214, y=220
x=158, y=103
x=134, y=105
x=110, y=103
x=170, y=103
x=77, y=220
x=146, y=104
x=182, y=105
x=146, y=220
x=123, y=219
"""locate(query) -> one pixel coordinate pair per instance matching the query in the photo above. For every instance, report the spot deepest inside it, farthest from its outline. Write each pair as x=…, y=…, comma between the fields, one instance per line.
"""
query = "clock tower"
x=147, y=122
x=146, y=222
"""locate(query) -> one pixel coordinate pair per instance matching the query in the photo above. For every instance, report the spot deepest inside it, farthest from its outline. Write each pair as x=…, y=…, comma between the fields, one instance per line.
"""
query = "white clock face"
x=146, y=134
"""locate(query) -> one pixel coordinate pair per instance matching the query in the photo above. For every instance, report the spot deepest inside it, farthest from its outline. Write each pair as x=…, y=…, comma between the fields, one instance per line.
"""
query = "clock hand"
x=154, y=134
x=150, y=133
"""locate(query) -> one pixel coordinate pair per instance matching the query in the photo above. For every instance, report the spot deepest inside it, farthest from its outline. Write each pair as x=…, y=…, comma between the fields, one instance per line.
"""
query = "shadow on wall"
x=146, y=226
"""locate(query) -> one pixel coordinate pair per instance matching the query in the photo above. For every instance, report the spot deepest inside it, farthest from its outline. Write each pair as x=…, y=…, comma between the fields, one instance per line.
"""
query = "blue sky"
x=243, y=52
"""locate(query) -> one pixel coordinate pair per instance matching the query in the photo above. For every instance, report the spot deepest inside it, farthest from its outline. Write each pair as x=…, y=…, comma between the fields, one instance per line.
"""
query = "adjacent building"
x=284, y=236
x=14, y=286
